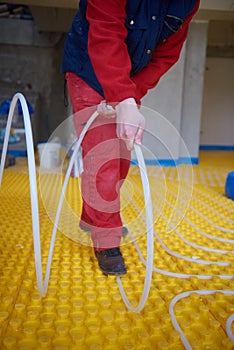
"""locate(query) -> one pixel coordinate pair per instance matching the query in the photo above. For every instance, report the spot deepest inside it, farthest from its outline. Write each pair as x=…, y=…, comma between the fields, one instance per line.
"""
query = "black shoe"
x=88, y=229
x=111, y=262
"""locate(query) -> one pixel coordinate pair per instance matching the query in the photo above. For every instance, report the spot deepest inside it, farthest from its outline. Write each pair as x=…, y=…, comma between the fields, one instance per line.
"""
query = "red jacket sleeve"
x=164, y=57
x=107, y=49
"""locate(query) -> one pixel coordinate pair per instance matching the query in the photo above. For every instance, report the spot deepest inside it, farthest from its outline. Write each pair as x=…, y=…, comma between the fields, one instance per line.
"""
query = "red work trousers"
x=106, y=163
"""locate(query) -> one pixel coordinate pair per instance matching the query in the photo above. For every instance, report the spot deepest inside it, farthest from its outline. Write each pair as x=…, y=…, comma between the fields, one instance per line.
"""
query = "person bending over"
x=115, y=51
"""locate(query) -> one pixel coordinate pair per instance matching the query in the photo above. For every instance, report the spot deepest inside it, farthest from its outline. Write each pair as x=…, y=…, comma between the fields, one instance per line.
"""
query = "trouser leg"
x=106, y=163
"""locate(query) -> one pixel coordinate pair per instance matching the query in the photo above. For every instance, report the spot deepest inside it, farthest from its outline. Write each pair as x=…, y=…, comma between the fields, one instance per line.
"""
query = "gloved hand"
x=130, y=122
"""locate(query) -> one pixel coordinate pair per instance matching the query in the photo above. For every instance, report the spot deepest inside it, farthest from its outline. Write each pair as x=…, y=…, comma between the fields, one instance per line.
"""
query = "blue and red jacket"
x=121, y=48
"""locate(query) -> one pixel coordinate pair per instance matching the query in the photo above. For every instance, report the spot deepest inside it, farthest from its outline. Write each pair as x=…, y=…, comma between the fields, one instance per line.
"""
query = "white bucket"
x=49, y=154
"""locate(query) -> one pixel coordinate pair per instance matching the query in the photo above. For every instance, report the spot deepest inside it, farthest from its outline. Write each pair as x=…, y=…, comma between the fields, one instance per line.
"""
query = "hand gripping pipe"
x=42, y=288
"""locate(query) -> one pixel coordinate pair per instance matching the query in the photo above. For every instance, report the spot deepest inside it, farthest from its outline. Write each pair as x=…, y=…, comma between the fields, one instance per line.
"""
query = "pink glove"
x=130, y=122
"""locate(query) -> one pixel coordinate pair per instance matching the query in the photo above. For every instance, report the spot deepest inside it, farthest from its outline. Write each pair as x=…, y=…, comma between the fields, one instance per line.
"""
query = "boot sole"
x=113, y=273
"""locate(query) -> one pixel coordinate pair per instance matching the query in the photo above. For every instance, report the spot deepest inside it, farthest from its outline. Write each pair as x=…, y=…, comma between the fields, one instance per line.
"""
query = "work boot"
x=111, y=262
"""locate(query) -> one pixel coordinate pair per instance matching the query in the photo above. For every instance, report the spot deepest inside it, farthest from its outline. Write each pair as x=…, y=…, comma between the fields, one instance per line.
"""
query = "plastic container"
x=229, y=186
x=49, y=154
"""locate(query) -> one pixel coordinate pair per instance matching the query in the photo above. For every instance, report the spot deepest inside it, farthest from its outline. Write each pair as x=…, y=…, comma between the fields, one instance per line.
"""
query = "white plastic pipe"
x=150, y=237
x=60, y=204
x=199, y=292
x=149, y=220
x=229, y=322
x=32, y=179
x=34, y=202
x=172, y=253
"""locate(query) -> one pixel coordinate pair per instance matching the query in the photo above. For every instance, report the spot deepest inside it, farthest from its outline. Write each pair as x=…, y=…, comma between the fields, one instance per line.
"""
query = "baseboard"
x=168, y=162
x=216, y=148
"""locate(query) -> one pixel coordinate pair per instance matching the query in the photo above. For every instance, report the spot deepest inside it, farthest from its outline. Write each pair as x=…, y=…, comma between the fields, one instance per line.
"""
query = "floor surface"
x=192, y=287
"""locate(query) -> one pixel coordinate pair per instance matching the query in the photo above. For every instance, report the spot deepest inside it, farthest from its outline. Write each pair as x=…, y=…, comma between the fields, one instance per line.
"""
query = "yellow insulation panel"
x=83, y=309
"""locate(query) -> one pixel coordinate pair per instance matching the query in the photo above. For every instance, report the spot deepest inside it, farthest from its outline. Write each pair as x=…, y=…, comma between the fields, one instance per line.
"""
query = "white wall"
x=217, y=127
x=163, y=107
x=193, y=87
x=178, y=98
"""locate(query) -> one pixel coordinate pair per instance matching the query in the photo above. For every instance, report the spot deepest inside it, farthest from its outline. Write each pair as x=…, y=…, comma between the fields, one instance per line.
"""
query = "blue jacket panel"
x=149, y=22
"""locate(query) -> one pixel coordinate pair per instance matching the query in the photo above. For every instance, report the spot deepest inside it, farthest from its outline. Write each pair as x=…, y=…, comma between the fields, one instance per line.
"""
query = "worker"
x=115, y=51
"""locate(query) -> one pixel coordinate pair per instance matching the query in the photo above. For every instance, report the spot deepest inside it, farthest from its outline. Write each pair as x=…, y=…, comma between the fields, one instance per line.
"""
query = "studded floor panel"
x=191, y=300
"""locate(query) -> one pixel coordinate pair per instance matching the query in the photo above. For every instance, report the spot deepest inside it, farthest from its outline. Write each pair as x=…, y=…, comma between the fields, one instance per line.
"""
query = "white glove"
x=130, y=122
